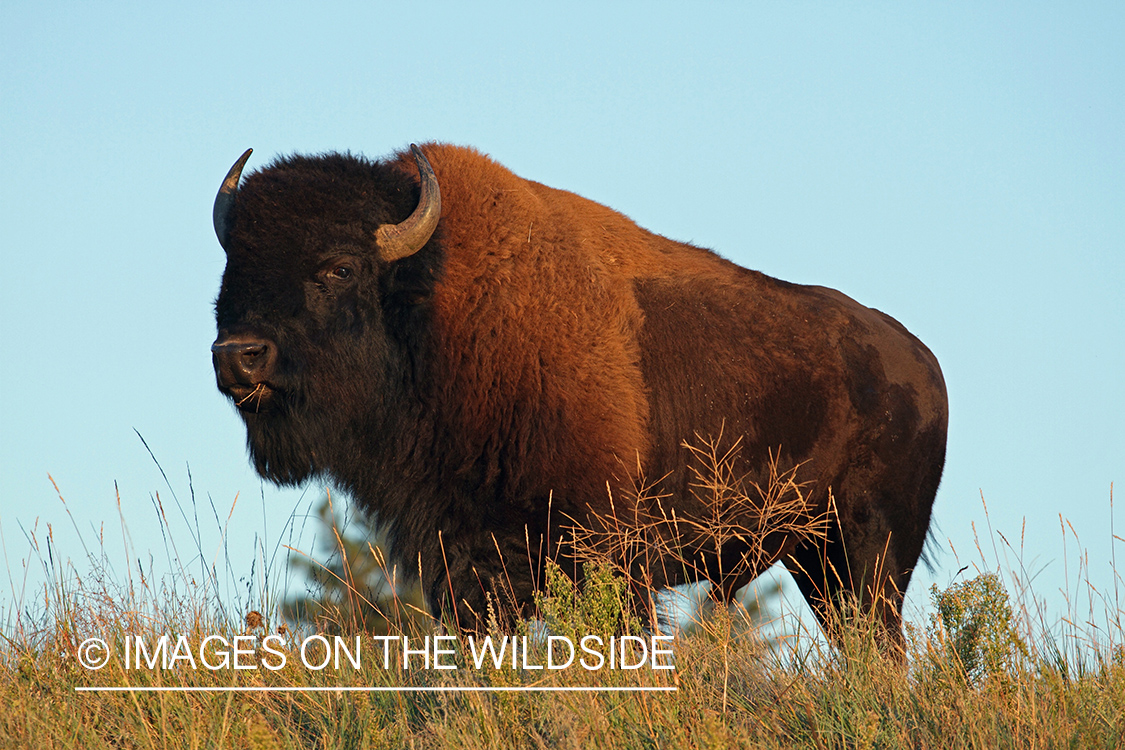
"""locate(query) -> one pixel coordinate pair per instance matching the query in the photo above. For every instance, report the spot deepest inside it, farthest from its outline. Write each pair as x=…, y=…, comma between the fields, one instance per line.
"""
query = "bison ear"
x=220, y=214
x=397, y=241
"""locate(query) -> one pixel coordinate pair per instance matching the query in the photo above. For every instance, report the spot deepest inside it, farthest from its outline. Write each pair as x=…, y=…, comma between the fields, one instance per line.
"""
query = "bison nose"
x=243, y=360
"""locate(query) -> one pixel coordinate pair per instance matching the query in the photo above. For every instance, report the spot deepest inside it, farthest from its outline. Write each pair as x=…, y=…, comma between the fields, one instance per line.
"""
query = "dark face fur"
x=313, y=323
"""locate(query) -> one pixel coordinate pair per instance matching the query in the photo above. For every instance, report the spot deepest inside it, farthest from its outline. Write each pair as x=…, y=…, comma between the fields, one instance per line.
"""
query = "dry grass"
x=984, y=671
x=641, y=535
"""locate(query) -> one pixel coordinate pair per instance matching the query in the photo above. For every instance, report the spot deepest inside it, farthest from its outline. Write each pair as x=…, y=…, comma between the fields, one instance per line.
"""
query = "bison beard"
x=478, y=358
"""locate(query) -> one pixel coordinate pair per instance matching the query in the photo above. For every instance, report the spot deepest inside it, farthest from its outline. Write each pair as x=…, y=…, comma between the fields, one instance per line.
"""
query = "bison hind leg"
x=837, y=579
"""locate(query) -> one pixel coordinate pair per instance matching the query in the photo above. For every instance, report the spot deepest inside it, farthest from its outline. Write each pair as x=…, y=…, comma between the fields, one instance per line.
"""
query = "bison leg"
x=835, y=575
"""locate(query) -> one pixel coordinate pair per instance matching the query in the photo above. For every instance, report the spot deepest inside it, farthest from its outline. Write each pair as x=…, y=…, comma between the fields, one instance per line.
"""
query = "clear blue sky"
x=960, y=167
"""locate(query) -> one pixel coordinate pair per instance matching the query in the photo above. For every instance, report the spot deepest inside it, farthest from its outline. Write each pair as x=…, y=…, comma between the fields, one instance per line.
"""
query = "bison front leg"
x=490, y=582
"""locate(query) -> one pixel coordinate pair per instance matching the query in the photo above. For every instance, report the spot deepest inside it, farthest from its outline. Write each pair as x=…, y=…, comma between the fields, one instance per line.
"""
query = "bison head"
x=330, y=263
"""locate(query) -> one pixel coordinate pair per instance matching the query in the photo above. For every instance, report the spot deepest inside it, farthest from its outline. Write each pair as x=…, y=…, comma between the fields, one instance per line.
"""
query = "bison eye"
x=342, y=273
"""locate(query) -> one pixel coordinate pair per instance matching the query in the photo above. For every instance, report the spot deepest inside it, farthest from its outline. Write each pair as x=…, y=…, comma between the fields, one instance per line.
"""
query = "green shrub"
x=600, y=606
x=974, y=626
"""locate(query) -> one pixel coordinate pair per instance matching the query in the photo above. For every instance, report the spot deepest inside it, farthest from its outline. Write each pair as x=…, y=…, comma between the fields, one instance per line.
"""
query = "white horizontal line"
x=450, y=689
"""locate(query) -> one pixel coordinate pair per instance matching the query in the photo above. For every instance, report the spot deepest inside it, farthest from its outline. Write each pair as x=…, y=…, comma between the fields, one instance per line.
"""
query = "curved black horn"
x=397, y=241
x=225, y=199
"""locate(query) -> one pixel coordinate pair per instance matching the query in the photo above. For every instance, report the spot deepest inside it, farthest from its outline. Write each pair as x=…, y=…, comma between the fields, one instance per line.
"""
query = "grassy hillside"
x=980, y=672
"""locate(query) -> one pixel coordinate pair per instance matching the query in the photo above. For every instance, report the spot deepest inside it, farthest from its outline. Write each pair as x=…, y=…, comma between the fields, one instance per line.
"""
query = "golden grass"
x=979, y=673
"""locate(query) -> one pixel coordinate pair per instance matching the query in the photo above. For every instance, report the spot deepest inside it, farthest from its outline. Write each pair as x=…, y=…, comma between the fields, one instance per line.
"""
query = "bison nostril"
x=248, y=362
x=252, y=357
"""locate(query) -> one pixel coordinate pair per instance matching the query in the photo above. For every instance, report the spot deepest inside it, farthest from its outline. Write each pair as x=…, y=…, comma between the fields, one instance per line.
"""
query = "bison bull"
x=477, y=357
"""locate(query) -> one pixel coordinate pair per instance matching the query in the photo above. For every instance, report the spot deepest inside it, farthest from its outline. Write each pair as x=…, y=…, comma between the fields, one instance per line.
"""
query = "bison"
x=478, y=358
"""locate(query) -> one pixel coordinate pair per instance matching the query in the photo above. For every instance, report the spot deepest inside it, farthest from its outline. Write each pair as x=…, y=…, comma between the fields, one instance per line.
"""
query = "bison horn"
x=397, y=241
x=225, y=199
